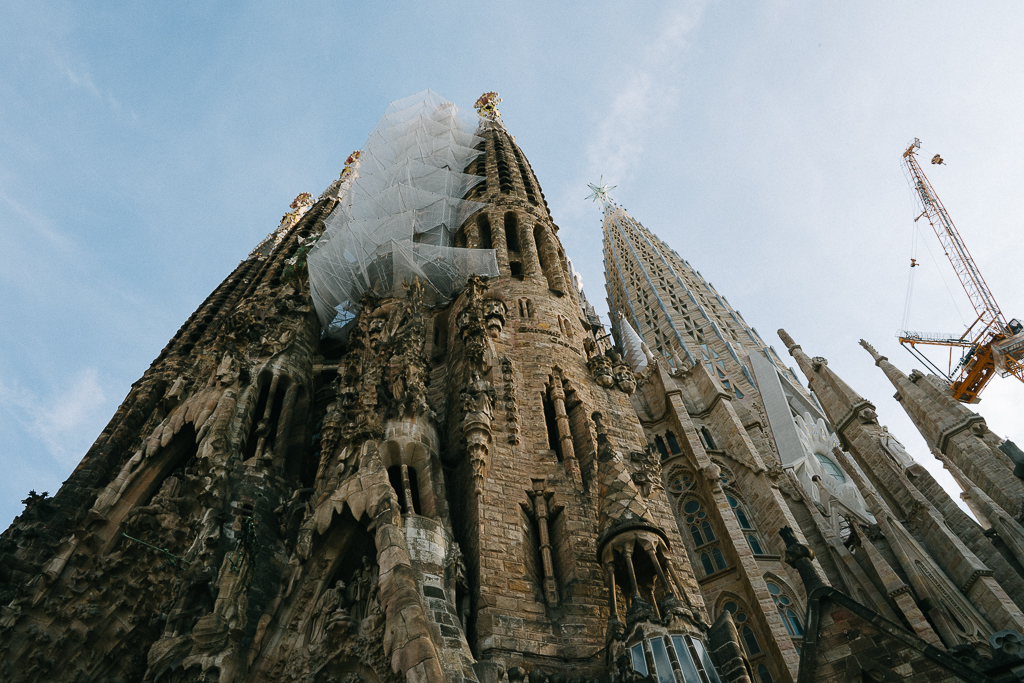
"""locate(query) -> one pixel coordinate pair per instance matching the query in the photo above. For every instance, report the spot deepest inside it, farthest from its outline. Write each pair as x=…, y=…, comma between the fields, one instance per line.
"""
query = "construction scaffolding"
x=399, y=210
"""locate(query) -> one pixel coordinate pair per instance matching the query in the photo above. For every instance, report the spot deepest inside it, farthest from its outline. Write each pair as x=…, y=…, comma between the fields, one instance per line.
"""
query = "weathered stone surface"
x=460, y=489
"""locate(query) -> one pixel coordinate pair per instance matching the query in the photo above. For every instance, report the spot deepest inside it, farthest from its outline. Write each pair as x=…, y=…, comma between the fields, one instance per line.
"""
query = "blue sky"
x=146, y=148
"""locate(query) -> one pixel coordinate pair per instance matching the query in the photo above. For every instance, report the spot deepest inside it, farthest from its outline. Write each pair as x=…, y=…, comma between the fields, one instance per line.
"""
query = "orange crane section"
x=990, y=344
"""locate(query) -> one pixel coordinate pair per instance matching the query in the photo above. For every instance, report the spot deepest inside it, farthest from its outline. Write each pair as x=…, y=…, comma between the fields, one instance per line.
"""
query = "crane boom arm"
x=956, y=251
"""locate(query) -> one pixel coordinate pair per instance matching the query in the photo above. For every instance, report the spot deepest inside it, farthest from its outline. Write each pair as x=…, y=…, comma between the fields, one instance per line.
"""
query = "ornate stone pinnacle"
x=788, y=341
x=487, y=105
x=874, y=354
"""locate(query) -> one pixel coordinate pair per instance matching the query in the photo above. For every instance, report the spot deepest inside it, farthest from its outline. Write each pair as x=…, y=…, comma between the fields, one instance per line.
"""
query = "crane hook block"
x=937, y=160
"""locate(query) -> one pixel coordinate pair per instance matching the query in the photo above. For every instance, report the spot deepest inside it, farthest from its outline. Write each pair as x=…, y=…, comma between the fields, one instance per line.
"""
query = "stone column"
x=291, y=395
x=557, y=395
x=263, y=426
x=408, y=507
x=498, y=240
x=553, y=272
x=528, y=249
x=541, y=503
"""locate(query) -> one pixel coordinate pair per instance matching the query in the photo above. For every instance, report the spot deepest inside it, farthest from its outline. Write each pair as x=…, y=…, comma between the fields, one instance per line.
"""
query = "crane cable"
x=910, y=278
x=915, y=241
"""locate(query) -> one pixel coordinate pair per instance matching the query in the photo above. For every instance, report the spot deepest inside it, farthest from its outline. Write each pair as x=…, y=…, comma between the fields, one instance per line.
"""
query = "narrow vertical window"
x=639, y=661
x=755, y=545
x=512, y=231
x=709, y=442
x=750, y=639
x=551, y=423
x=673, y=445
x=483, y=224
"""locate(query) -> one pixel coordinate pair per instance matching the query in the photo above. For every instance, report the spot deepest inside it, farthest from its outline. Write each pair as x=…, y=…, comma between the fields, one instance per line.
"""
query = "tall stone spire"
x=950, y=428
x=909, y=505
x=673, y=308
x=836, y=397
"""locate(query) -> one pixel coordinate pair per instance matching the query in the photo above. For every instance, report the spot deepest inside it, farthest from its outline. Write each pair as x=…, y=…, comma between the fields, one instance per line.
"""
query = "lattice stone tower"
x=417, y=473
x=746, y=450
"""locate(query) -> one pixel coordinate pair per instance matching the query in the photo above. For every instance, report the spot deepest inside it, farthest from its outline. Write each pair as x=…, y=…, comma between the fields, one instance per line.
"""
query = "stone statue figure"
x=163, y=510
x=112, y=493
x=361, y=594
x=895, y=448
x=455, y=566
x=481, y=393
x=196, y=593
x=326, y=606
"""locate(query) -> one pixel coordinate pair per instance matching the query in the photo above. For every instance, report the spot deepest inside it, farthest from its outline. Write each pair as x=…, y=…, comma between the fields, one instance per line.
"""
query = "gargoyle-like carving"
x=494, y=316
x=624, y=377
x=600, y=367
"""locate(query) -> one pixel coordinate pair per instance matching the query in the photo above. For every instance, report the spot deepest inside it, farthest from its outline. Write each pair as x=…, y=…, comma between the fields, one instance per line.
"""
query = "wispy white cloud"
x=79, y=76
x=646, y=97
x=62, y=420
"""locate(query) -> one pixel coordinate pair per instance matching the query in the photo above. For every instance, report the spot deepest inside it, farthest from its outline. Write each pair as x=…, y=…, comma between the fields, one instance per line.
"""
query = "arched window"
x=680, y=482
x=741, y=516
x=746, y=524
x=709, y=442
x=787, y=610
x=739, y=615
x=512, y=231
x=696, y=519
x=716, y=564
x=755, y=545
x=673, y=445
x=831, y=468
x=763, y=675
x=483, y=224
x=659, y=443
x=750, y=640
x=705, y=560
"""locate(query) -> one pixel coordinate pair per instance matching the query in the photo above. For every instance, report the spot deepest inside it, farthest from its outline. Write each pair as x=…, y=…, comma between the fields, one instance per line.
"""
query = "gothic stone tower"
x=747, y=450
x=443, y=481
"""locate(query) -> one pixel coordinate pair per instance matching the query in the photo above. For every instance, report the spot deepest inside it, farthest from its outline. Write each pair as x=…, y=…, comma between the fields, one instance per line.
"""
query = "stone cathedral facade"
x=465, y=478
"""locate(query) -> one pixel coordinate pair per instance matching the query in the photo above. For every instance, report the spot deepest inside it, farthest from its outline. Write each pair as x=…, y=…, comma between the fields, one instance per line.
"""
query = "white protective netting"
x=399, y=210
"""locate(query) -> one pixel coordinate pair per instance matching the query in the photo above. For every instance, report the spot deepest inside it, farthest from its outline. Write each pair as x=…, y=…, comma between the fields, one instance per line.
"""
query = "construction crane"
x=990, y=344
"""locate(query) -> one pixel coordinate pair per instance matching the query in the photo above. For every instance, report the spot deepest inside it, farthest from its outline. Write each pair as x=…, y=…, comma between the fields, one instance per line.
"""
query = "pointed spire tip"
x=874, y=354
x=788, y=341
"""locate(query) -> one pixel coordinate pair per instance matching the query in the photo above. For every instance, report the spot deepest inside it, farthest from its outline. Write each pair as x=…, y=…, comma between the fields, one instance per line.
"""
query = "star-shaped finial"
x=600, y=191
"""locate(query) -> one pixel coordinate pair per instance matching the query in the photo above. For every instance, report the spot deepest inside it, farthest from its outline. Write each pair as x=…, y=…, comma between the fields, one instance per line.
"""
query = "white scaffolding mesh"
x=398, y=212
